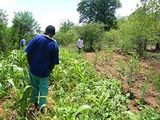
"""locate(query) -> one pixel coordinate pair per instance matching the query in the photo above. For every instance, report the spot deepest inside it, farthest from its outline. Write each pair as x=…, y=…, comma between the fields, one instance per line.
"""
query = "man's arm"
x=28, y=50
x=54, y=55
x=29, y=59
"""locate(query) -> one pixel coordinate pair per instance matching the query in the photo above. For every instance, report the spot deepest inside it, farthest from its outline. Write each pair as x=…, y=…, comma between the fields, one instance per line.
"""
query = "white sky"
x=54, y=12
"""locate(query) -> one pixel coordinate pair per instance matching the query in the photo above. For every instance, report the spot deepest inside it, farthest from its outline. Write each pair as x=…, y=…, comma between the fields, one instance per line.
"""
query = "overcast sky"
x=54, y=12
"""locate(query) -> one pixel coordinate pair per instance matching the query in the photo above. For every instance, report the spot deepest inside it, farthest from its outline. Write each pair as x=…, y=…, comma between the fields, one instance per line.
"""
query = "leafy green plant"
x=144, y=89
x=121, y=69
x=148, y=113
x=79, y=110
x=2, y=92
x=108, y=55
x=76, y=84
x=133, y=69
x=67, y=38
x=15, y=81
x=111, y=39
x=157, y=82
x=77, y=90
x=92, y=35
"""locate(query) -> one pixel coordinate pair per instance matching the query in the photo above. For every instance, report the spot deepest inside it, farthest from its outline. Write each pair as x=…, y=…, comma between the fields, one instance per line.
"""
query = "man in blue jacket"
x=42, y=55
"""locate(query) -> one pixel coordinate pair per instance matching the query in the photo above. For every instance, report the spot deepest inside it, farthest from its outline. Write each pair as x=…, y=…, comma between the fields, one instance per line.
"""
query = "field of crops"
x=77, y=92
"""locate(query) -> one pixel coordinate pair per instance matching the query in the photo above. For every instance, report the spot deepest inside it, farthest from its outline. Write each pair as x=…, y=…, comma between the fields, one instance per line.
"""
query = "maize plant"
x=77, y=92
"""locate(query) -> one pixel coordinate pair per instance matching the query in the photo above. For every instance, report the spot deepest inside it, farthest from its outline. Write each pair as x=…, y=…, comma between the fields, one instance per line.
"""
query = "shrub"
x=111, y=39
x=66, y=38
x=92, y=34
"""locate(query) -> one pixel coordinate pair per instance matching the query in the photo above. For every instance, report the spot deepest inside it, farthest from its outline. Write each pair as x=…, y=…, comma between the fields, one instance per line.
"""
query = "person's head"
x=81, y=38
x=50, y=31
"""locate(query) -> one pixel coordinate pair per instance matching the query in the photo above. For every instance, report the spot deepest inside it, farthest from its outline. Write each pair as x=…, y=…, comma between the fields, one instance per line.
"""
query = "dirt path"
x=107, y=64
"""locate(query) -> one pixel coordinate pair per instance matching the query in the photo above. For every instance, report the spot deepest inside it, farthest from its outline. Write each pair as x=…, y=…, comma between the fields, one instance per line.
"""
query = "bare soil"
x=149, y=69
x=1, y=110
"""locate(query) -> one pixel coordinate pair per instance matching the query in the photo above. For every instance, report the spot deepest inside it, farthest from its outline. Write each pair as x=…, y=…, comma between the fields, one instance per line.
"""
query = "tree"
x=23, y=26
x=141, y=28
x=66, y=34
x=153, y=8
x=150, y=21
x=102, y=11
x=92, y=34
x=65, y=26
x=3, y=30
x=3, y=17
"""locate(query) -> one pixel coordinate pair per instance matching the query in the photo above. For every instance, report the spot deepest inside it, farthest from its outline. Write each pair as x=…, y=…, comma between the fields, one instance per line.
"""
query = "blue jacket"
x=43, y=55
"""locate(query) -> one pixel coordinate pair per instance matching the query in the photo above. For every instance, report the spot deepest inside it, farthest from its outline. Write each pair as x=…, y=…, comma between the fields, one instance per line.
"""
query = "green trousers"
x=39, y=89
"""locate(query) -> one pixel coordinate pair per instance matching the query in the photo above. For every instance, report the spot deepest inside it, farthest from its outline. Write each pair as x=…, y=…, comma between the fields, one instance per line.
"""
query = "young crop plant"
x=157, y=82
x=15, y=81
x=144, y=89
x=76, y=91
x=121, y=69
x=133, y=70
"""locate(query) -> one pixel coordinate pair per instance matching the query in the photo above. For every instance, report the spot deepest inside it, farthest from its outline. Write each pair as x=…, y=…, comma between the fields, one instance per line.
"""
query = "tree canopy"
x=3, y=29
x=102, y=11
x=23, y=25
x=66, y=25
x=3, y=17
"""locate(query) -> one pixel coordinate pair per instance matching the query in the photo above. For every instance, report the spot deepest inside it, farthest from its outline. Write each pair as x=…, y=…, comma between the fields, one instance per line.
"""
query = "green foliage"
x=67, y=34
x=23, y=26
x=15, y=80
x=66, y=38
x=147, y=113
x=92, y=34
x=3, y=31
x=138, y=30
x=101, y=11
x=142, y=27
x=157, y=82
x=79, y=110
x=65, y=26
x=3, y=17
x=133, y=70
x=121, y=69
x=78, y=91
x=2, y=92
x=111, y=39
x=77, y=84
x=144, y=89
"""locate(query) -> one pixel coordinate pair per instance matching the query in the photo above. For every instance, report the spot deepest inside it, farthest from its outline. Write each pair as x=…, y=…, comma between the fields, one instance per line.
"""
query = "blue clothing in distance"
x=43, y=54
x=23, y=42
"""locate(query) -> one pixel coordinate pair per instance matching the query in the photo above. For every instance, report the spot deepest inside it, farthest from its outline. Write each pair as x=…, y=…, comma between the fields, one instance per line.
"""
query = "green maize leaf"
x=12, y=83
x=80, y=109
x=132, y=116
x=23, y=102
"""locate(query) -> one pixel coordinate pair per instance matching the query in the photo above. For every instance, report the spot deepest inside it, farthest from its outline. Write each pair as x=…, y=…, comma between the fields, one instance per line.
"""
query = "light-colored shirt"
x=80, y=43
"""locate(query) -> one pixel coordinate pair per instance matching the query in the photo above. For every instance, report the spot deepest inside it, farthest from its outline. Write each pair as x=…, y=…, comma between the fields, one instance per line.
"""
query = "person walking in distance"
x=22, y=43
x=80, y=45
x=42, y=55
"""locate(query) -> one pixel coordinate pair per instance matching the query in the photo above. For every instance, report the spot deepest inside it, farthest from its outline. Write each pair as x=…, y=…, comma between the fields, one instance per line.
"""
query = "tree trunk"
x=145, y=44
x=157, y=47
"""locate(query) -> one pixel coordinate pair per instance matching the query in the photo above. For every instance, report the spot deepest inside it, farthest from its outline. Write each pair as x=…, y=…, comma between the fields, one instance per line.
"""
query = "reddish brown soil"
x=1, y=110
x=108, y=67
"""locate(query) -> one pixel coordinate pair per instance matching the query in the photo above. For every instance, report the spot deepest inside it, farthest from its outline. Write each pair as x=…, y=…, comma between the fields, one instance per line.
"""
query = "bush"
x=92, y=34
x=66, y=38
x=111, y=39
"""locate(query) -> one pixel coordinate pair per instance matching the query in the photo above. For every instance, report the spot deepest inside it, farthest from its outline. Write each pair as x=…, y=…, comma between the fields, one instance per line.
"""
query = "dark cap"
x=50, y=30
